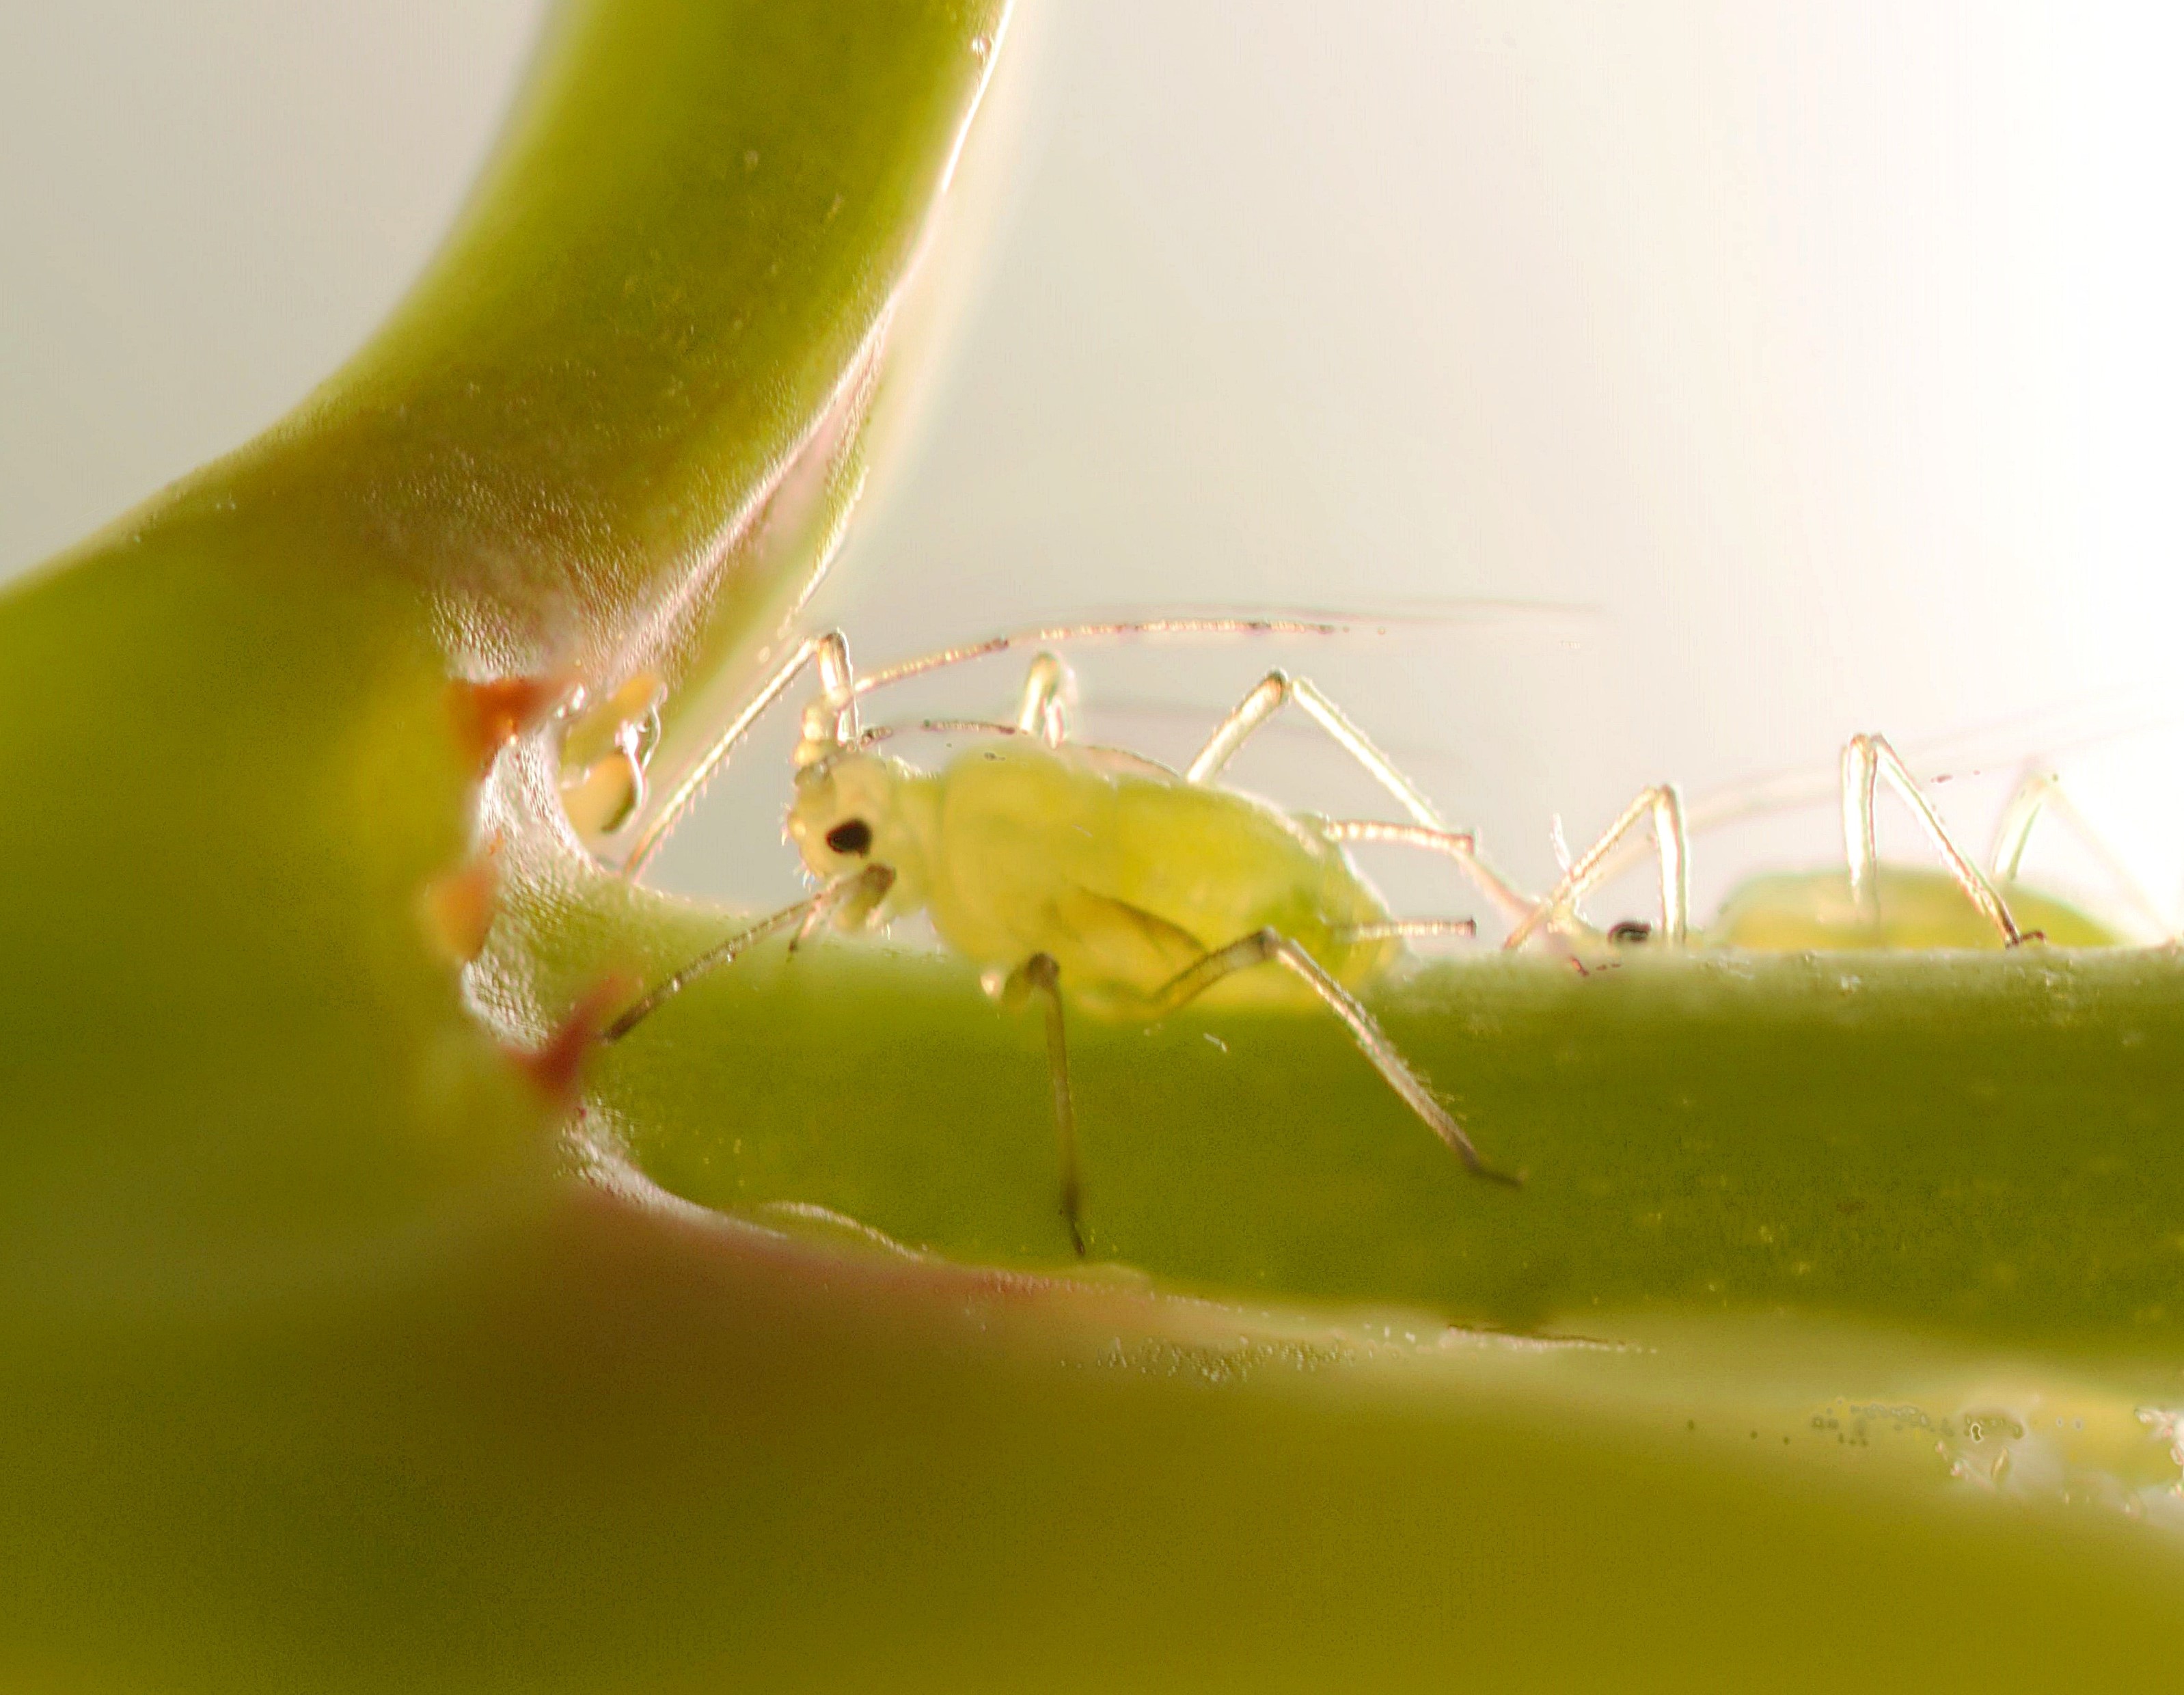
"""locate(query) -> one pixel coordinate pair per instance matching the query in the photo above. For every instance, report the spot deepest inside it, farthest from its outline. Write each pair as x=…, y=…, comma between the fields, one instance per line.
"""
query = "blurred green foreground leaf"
x=1835, y=1334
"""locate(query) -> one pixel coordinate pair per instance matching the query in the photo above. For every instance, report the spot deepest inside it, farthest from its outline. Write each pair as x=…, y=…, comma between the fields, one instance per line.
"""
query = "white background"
x=1823, y=362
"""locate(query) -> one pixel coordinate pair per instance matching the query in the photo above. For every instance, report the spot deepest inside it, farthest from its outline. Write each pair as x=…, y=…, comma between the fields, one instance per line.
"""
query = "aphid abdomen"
x=1017, y=825
x=1225, y=865
x=1128, y=879
x=1919, y=907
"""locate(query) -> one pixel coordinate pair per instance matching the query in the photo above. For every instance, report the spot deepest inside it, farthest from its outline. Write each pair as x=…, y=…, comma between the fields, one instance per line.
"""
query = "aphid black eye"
x=854, y=837
x=1630, y=930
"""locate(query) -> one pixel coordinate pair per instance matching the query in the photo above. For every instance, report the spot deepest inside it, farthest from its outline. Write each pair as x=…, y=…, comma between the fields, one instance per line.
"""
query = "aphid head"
x=860, y=810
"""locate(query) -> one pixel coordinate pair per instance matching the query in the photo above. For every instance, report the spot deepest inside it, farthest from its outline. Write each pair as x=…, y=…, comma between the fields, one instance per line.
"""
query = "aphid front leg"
x=1866, y=759
x=864, y=889
x=1664, y=807
x=1040, y=975
x=1272, y=947
x=850, y=901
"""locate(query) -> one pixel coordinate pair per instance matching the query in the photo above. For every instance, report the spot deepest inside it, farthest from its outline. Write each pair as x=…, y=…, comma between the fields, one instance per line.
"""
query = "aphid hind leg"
x=1276, y=690
x=1866, y=759
x=1457, y=845
x=866, y=887
x=1272, y=947
x=1396, y=930
x=1663, y=807
x=1041, y=975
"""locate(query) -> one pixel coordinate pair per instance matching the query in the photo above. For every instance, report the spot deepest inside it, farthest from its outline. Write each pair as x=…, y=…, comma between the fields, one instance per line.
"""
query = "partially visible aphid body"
x=1095, y=878
x=1912, y=907
x=1866, y=903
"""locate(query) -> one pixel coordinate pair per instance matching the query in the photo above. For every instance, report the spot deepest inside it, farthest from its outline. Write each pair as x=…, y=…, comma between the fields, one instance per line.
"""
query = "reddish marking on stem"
x=488, y=716
x=556, y=1067
x=457, y=909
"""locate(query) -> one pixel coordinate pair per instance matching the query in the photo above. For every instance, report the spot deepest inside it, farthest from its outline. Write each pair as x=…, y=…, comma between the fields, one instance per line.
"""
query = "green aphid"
x=1092, y=877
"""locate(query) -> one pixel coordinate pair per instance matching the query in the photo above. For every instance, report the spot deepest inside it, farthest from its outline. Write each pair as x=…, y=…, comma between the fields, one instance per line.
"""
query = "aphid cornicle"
x=1088, y=877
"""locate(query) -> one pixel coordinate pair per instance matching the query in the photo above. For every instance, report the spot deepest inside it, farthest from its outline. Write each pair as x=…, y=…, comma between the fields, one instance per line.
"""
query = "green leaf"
x=322, y=1367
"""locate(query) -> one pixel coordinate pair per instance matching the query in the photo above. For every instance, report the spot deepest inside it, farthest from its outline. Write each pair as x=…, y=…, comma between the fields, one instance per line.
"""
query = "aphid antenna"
x=830, y=654
x=1048, y=634
x=831, y=723
x=1428, y=614
x=1176, y=715
x=873, y=734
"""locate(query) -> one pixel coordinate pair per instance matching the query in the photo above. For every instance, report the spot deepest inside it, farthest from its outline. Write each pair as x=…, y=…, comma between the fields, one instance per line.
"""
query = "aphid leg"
x=832, y=721
x=1514, y=906
x=1663, y=806
x=1041, y=975
x=1396, y=930
x=1272, y=947
x=1866, y=759
x=1276, y=690
x=2041, y=795
x=819, y=908
x=868, y=887
x=1044, y=710
x=2012, y=832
